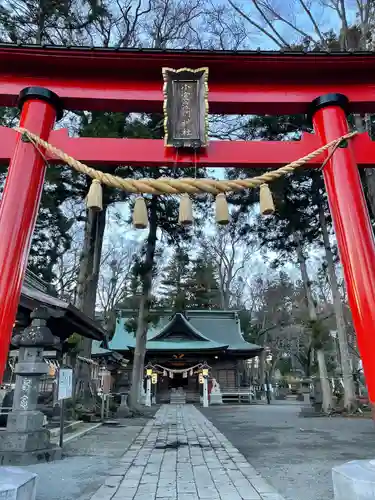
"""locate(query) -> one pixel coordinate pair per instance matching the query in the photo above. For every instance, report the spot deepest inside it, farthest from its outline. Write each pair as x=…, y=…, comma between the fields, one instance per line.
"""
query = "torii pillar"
x=20, y=204
x=355, y=238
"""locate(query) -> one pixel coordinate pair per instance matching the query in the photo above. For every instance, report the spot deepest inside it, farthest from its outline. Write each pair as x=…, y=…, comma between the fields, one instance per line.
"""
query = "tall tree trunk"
x=144, y=308
x=87, y=285
x=323, y=375
x=39, y=35
x=252, y=372
x=349, y=393
x=326, y=388
x=139, y=353
x=262, y=365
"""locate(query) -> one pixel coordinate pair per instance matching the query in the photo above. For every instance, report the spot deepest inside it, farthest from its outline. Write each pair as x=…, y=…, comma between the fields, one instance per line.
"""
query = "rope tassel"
x=94, y=199
x=140, y=217
x=222, y=211
x=267, y=206
x=185, y=215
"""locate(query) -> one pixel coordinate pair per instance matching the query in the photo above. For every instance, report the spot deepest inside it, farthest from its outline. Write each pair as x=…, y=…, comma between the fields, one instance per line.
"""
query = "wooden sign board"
x=65, y=384
x=186, y=107
x=106, y=382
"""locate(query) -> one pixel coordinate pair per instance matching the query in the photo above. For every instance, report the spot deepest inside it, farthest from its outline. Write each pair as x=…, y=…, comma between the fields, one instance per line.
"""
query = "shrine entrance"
x=178, y=381
x=325, y=86
x=177, y=385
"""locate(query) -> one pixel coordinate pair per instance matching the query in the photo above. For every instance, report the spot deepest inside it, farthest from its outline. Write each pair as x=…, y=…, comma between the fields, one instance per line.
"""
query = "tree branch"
x=256, y=25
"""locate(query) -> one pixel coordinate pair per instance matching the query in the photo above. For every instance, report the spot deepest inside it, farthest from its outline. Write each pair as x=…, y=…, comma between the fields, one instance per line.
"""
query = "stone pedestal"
x=216, y=397
x=17, y=484
x=354, y=480
x=307, y=408
x=25, y=440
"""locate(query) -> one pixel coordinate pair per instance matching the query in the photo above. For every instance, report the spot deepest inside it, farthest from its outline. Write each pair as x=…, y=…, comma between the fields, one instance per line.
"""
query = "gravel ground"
x=294, y=454
x=86, y=462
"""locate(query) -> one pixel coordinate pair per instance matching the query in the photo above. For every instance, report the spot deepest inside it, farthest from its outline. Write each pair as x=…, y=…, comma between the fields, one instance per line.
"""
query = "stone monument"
x=17, y=484
x=25, y=440
x=123, y=410
x=309, y=407
x=354, y=480
x=216, y=397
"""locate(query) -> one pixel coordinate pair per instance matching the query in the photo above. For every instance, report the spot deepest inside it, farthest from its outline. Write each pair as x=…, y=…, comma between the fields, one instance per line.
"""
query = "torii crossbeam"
x=240, y=82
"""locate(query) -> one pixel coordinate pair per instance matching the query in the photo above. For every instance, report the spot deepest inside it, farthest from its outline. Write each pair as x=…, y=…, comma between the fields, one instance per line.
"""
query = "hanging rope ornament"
x=222, y=211
x=267, y=206
x=179, y=186
x=140, y=218
x=94, y=199
x=185, y=215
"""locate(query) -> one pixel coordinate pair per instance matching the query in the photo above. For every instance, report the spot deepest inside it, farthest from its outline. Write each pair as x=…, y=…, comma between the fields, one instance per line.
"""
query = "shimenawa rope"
x=178, y=186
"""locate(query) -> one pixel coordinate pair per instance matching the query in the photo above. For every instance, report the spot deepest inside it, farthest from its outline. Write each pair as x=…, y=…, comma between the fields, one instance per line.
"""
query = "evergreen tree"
x=54, y=22
x=204, y=289
x=174, y=283
x=51, y=237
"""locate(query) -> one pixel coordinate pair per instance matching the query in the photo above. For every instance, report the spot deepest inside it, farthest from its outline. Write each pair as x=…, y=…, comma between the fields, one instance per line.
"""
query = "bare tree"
x=231, y=249
x=66, y=272
x=310, y=23
x=115, y=271
x=349, y=396
x=173, y=23
x=313, y=317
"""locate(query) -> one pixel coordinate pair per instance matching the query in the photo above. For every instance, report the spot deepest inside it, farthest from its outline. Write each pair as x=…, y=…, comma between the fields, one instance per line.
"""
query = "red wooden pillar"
x=352, y=225
x=19, y=206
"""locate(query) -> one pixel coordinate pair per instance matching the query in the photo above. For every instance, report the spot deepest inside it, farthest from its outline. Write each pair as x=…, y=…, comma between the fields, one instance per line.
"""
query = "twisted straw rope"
x=177, y=186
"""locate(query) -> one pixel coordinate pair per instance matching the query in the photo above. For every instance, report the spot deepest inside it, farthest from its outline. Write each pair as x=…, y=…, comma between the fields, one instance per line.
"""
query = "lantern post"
x=352, y=225
x=19, y=205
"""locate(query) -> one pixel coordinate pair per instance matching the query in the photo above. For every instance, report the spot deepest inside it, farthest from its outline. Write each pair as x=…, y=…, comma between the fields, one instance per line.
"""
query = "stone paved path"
x=180, y=455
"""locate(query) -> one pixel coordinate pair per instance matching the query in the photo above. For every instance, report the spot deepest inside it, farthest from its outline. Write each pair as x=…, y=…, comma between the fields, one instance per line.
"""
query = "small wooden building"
x=64, y=320
x=177, y=343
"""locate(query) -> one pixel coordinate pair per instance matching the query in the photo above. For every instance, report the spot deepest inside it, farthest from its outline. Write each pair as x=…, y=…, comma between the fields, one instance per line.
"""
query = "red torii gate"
x=45, y=81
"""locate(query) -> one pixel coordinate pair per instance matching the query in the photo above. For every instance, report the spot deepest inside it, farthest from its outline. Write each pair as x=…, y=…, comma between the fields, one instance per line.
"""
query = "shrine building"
x=178, y=344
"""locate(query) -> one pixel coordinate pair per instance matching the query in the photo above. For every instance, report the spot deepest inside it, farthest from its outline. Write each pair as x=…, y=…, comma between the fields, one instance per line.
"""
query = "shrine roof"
x=97, y=351
x=65, y=319
x=198, y=331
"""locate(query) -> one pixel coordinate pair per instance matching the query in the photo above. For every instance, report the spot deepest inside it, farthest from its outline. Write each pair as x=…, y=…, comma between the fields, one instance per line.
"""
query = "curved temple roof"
x=198, y=331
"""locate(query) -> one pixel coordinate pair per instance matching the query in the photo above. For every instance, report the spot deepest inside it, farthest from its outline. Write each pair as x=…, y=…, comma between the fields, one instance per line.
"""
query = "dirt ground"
x=294, y=454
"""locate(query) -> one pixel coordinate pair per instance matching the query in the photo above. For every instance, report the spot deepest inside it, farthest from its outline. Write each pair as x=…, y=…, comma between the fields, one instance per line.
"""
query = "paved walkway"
x=180, y=455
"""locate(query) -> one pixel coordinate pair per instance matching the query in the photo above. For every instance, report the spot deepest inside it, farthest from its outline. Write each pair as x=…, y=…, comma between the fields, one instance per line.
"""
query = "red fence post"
x=19, y=206
x=352, y=225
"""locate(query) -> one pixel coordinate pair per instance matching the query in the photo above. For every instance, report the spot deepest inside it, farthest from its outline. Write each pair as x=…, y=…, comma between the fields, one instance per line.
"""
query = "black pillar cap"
x=41, y=94
x=329, y=100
